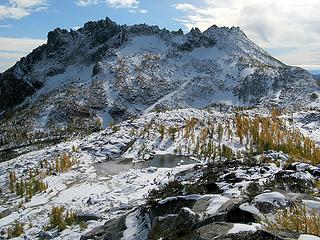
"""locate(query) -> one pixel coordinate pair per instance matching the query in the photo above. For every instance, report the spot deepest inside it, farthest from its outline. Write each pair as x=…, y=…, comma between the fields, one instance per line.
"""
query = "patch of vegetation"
x=297, y=219
x=162, y=130
x=27, y=187
x=114, y=127
x=64, y=163
x=227, y=152
x=61, y=164
x=32, y=183
x=269, y=133
x=60, y=218
x=16, y=230
x=172, y=131
x=83, y=225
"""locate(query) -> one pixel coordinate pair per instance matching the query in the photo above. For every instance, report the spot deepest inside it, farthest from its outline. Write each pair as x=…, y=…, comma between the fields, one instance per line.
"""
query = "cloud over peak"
x=132, y=5
x=271, y=23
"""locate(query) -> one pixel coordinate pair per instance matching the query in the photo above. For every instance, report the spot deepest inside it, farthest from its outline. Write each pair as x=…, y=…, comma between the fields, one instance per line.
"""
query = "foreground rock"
x=187, y=209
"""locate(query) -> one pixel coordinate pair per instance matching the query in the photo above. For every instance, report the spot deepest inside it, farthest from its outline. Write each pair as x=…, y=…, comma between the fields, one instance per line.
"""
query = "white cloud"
x=84, y=3
x=123, y=3
x=26, y=3
x=5, y=26
x=17, y=9
x=19, y=44
x=273, y=24
x=185, y=7
x=132, y=5
x=12, y=49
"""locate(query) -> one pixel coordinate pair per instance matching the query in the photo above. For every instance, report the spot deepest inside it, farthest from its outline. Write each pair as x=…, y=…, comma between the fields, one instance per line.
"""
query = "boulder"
x=87, y=216
x=237, y=215
x=213, y=230
x=44, y=235
x=111, y=230
x=258, y=235
x=172, y=226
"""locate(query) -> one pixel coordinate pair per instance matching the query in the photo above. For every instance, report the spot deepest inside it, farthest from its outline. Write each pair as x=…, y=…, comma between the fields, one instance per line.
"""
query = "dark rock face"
x=171, y=207
x=101, y=31
x=118, y=113
x=111, y=230
x=13, y=90
x=249, y=94
x=57, y=38
x=196, y=40
x=55, y=56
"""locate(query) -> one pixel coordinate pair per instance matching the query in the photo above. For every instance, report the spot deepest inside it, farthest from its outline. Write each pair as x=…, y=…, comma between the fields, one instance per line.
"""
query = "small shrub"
x=64, y=163
x=74, y=148
x=162, y=130
x=83, y=225
x=57, y=219
x=60, y=219
x=172, y=132
x=227, y=152
x=16, y=231
x=114, y=127
x=70, y=218
x=12, y=181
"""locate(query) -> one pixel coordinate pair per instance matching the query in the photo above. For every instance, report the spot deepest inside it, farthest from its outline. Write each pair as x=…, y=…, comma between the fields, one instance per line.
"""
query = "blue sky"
x=289, y=30
x=66, y=14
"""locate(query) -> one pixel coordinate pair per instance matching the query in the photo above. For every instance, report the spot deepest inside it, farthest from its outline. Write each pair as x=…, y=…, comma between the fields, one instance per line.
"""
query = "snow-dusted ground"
x=83, y=190
x=105, y=185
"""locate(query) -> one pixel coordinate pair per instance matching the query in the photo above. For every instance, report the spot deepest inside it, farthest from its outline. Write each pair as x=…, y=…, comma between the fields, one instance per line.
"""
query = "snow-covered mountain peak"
x=106, y=70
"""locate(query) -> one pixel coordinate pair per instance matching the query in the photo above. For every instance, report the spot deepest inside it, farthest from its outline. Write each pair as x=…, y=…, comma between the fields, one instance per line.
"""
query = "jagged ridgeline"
x=107, y=71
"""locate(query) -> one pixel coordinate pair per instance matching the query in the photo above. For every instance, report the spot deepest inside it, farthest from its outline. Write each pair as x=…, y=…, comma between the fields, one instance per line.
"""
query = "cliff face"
x=107, y=70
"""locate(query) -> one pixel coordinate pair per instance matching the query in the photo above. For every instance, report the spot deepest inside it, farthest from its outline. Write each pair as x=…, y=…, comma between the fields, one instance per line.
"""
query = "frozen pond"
x=165, y=161
x=159, y=161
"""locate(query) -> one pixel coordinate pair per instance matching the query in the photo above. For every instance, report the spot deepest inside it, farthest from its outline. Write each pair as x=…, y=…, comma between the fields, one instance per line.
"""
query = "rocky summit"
x=104, y=70
x=123, y=132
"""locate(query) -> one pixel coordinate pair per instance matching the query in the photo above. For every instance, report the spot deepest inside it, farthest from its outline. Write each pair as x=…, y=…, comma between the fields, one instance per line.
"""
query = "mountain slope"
x=105, y=71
